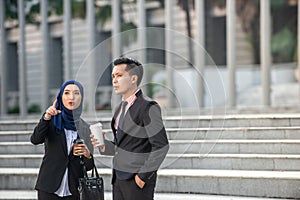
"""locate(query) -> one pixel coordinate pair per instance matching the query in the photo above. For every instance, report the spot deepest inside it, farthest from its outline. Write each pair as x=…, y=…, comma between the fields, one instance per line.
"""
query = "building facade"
x=91, y=55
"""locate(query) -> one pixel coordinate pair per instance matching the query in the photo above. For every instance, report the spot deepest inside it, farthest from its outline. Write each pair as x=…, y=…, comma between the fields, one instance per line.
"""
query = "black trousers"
x=48, y=196
x=128, y=190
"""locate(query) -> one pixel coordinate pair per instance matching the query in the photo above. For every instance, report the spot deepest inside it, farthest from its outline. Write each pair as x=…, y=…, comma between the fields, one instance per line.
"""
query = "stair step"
x=20, y=147
x=18, y=125
x=15, y=136
x=185, y=134
x=189, y=147
x=18, y=194
x=234, y=133
x=213, y=157
x=276, y=184
x=246, y=120
x=273, y=184
x=32, y=195
x=194, y=133
x=235, y=146
x=271, y=162
x=190, y=121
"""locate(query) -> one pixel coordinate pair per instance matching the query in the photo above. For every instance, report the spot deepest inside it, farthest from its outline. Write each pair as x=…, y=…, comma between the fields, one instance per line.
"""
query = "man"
x=140, y=141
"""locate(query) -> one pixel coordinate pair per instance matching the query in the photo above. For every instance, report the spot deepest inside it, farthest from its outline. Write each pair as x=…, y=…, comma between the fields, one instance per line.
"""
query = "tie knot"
x=124, y=104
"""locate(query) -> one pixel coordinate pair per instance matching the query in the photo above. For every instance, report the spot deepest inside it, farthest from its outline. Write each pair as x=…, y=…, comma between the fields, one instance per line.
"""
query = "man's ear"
x=134, y=78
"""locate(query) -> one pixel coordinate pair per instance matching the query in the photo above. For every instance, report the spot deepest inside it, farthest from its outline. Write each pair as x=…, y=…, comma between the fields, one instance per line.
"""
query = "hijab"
x=67, y=118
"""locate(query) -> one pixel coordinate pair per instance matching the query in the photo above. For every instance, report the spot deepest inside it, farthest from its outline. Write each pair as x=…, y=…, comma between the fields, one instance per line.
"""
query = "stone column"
x=169, y=6
x=3, y=65
x=116, y=39
x=142, y=39
x=298, y=37
x=230, y=34
x=22, y=60
x=67, y=39
x=200, y=50
x=265, y=50
x=45, y=56
x=90, y=13
x=116, y=29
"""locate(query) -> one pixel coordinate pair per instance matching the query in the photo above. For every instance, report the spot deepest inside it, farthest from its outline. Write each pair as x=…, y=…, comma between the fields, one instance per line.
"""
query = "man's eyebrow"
x=117, y=73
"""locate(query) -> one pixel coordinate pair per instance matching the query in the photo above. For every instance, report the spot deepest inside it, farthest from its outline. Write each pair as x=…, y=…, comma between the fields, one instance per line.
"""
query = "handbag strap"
x=96, y=172
x=85, y=171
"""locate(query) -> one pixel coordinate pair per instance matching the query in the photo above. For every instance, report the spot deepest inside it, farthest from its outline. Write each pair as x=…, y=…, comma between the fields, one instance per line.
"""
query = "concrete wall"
x=248, y=80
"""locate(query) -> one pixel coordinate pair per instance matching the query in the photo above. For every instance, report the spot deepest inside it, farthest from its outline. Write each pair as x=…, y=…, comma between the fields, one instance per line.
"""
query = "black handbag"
x=91, y=188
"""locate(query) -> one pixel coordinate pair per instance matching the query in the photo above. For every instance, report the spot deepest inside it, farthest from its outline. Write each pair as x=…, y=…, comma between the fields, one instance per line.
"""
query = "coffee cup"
x=96, y=130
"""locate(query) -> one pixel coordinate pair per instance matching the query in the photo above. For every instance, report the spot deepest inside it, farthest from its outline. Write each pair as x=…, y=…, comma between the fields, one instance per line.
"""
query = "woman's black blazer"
x=56, y=158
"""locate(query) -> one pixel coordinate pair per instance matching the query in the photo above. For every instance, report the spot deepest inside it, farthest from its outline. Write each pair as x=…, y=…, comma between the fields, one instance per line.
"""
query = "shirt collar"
x=131, y=98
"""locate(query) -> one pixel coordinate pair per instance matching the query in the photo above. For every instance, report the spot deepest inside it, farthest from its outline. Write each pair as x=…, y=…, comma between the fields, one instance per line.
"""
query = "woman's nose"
x=72, y=96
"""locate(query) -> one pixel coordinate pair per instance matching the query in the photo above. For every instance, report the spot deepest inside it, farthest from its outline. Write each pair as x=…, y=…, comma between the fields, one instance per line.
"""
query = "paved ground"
x=26, y=195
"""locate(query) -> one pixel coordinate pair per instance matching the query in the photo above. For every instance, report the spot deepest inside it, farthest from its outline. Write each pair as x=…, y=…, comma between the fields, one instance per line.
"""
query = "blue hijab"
x=67, y=118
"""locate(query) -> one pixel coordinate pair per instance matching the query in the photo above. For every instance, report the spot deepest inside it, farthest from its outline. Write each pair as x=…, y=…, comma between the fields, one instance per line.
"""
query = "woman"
x=59, y=127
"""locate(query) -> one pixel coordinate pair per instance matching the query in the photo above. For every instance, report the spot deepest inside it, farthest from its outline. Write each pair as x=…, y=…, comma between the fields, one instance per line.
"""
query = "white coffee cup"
x=96, y=130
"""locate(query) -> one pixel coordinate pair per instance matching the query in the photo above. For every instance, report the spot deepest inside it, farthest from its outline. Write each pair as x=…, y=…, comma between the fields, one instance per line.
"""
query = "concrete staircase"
x=211, y=157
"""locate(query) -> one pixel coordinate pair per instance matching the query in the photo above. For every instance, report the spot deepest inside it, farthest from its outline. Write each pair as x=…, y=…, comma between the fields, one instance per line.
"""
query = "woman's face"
x=71, y=97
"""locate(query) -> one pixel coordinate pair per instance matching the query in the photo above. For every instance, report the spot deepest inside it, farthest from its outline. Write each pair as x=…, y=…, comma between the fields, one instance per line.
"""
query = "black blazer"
x=142, y=144
x=56, y=158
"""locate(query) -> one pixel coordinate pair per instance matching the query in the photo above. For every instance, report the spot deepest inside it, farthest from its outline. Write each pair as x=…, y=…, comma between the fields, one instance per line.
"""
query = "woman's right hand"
x=51, y=111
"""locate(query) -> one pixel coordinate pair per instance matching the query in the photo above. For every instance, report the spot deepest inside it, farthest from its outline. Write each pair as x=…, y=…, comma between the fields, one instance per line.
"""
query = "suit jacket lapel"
x=130, y=110
x=122, y=127
x=113, y=122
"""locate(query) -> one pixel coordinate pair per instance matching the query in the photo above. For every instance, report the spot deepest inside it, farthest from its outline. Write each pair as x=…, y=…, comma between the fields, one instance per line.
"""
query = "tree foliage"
x=283, y=34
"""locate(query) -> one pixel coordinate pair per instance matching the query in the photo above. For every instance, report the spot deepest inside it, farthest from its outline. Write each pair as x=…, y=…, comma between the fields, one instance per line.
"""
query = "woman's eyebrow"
x=67, y=90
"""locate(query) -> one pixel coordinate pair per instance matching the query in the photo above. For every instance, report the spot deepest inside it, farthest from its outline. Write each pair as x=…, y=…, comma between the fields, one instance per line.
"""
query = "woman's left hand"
x=82, y=150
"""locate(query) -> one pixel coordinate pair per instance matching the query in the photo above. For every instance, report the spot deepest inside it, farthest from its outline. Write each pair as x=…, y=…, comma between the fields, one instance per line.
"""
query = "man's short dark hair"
x=133, y=67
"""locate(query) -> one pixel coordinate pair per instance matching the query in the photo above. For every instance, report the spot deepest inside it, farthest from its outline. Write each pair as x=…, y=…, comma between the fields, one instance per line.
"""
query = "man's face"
x=123, y=83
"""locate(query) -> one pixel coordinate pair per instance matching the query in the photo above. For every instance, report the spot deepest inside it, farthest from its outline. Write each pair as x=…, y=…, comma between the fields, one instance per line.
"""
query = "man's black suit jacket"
x=142, y=144
x=56, y=158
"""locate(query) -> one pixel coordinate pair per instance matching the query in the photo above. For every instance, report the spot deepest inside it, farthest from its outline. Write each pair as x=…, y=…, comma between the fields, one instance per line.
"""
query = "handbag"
x=91, y=188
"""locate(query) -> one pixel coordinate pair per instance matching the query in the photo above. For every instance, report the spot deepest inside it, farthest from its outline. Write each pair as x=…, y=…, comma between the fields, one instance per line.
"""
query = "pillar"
x=200, y=53
x=265, y=50
x=3, y=65
x=169, y=6
x=22, y=60
x=231, y=54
